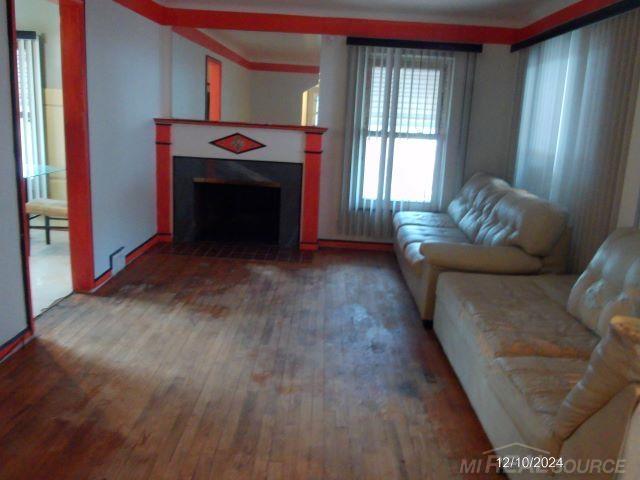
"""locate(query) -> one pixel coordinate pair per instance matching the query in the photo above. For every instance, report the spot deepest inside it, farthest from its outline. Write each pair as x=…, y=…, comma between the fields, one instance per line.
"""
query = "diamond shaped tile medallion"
x=237, y=143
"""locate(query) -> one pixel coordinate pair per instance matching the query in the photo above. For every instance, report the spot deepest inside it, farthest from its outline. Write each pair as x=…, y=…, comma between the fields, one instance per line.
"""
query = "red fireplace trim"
x=311, y=192
x=310, y=177
x=164, y=180
x=270, y=126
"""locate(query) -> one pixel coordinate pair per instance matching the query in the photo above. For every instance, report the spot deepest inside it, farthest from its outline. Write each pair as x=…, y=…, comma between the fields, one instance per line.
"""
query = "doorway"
x=213, y=104
x=42, y=150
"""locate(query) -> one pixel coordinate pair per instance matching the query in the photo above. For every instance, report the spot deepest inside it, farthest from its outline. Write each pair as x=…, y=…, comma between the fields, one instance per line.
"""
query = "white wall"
x=333, y=97
x=188, y=85
x=124, y=71
x=276, y=97
x=489, y=128
x=247, y=95
x=13, y=315
x=43, y=16
x=494, y=87
x=628, y=215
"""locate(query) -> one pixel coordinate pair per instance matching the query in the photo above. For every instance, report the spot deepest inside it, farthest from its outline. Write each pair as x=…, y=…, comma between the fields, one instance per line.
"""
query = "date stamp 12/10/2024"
x=521, y=458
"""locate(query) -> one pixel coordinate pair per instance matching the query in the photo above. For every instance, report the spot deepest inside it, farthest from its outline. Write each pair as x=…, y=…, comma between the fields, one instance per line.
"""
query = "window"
x=404, y=142
x=415, y=134
x=32, y=138
x=400, y=121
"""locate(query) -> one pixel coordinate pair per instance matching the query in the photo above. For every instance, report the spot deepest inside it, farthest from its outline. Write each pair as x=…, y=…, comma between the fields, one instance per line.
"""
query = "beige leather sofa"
x=489, y=227
x=549, y=363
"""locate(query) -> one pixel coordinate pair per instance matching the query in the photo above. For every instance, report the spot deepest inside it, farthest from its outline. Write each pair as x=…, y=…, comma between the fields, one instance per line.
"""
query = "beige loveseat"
x=489, y=227
x=548, y=363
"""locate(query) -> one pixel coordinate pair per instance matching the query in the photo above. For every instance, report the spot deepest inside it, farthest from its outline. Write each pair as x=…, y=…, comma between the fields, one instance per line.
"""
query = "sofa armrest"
x=610, y=434
x=480, y=258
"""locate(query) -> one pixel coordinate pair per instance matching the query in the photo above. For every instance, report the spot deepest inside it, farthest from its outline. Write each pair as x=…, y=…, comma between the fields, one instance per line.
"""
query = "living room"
x=321, y=239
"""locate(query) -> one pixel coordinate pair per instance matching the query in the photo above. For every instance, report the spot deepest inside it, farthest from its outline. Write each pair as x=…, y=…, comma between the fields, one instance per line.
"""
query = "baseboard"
x=308, y=247
x=130, y=258
x=354, y=245
x=15, y=344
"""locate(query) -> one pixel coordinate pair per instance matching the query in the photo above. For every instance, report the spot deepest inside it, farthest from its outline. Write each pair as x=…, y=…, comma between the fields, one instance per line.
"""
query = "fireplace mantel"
x=177, y=138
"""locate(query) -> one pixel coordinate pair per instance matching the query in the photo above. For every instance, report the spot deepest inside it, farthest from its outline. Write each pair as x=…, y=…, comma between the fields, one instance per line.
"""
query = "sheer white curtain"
x=579, y=95
x=398, y=140
x=32, y=141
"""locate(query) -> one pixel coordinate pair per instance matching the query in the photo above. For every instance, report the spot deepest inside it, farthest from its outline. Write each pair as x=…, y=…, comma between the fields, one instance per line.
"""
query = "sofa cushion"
x=421, y=234
x=531, y=390
x=614, y=365
x=474, y=203
x=422, y=219
x=611, y=283
x=523, y=220
x=510, y=316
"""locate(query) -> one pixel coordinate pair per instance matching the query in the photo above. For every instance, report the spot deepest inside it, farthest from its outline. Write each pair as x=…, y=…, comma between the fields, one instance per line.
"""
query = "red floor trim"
x=349, y=245
x=16, y=344
x=130, y=258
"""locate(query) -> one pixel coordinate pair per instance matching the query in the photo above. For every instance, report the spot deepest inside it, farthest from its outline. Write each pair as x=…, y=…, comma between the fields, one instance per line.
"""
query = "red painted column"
x=164, y=181
x=76, y=124
x=311, y=191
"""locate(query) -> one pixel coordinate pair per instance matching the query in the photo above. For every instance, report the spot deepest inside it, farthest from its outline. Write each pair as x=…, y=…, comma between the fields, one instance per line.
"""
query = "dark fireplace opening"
x=237, y=212
x=243, y=201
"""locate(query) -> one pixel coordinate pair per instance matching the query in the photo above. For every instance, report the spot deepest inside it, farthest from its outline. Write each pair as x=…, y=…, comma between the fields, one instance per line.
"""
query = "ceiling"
x=270, y=47
x=511, y=13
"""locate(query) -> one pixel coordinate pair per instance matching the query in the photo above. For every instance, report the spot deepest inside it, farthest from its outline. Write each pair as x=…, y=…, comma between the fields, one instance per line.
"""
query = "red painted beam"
x=567, y=14
x=285, y=68
x=269, y=22
x=147, y=8
x=442, y=32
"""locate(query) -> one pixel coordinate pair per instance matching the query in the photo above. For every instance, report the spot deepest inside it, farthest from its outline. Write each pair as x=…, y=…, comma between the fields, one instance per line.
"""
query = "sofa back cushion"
x=475, y=202
x=523, y=220
x=611, y=283
x=490, y=212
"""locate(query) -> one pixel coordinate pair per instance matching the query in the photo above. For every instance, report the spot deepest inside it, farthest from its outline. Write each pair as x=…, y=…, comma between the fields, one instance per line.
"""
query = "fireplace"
x=237, y=201
x=236, y=212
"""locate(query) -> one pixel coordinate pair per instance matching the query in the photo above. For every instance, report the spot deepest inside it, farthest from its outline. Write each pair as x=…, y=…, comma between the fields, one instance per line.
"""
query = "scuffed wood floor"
x=200, y=368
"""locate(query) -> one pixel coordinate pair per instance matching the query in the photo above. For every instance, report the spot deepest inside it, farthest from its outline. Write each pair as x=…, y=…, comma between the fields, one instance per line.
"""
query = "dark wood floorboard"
x=188, y=367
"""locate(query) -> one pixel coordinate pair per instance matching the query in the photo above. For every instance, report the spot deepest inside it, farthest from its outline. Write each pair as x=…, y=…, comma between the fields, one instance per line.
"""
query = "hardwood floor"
x=207, y=368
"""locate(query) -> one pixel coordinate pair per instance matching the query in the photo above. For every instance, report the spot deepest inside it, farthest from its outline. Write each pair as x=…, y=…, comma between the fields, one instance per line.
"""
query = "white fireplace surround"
x=190, y=140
